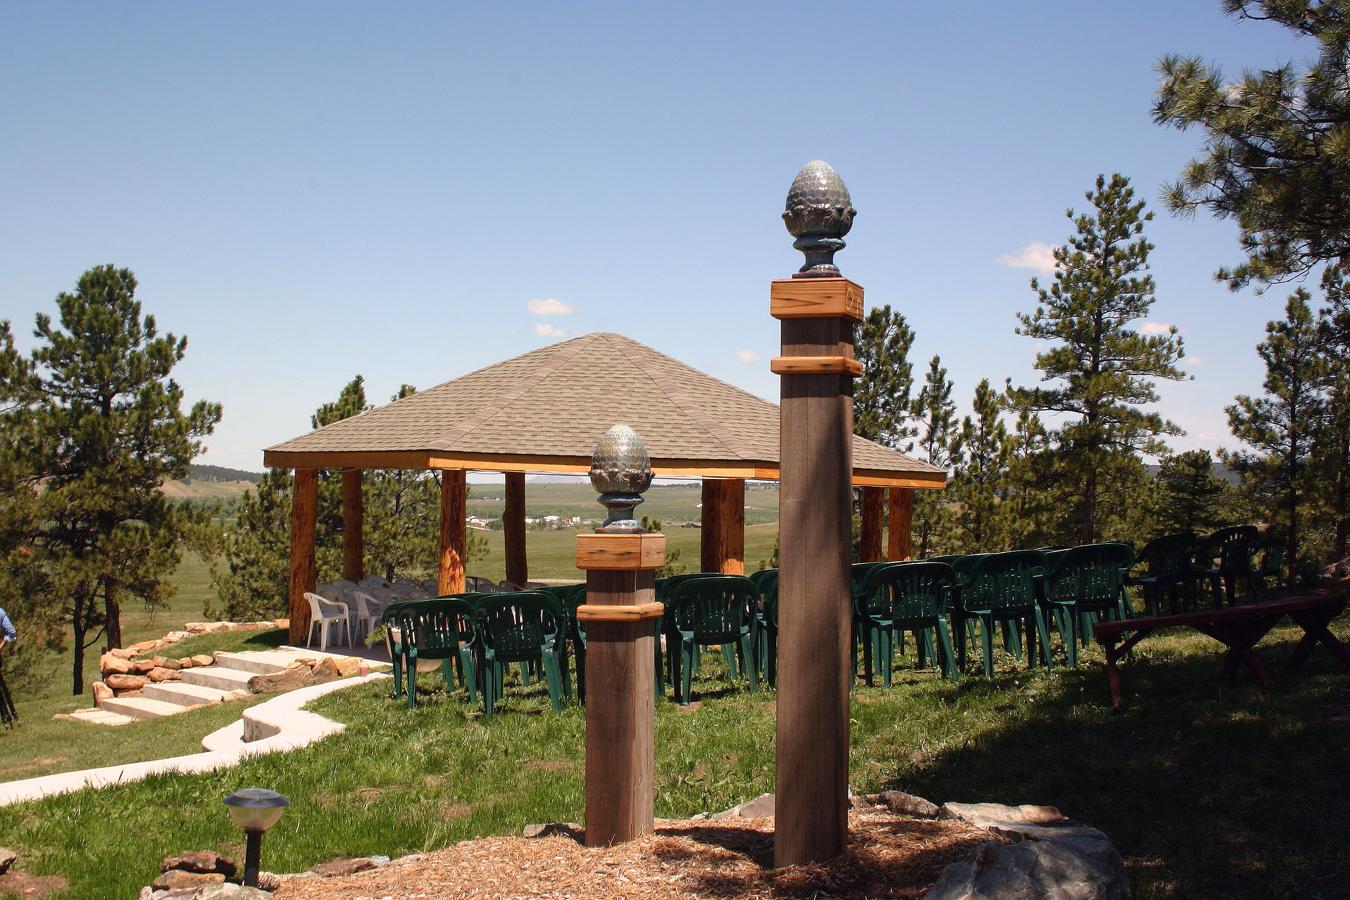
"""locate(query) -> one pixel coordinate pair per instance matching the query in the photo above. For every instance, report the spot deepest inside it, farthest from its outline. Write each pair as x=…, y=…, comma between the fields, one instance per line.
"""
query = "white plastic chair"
x=324, y=614
x=368, y=612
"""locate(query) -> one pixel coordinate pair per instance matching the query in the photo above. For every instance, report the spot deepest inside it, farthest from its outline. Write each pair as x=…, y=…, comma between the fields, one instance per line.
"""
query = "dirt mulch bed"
x=888, y=856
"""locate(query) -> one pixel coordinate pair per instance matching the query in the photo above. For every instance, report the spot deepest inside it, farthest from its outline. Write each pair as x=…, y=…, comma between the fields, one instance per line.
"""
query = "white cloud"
x=749, y=357
x=1037, y=255
x=548, y=329
x=549, y=306
x=1149, y=328
x=1193, y=362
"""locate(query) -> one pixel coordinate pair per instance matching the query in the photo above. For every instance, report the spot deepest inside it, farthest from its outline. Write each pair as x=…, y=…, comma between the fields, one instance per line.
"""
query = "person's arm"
x=7, y=627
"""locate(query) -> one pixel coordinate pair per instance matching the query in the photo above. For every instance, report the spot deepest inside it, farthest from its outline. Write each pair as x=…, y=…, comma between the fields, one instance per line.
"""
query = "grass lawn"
x=1208, y=791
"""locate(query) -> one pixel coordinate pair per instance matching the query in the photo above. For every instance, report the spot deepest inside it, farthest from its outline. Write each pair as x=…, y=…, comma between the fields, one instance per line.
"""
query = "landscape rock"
x=144, y=646
x=135, y=693
x=202, y=659
x=281, y=623
x=174, y=637
x=759, y=808
x=326, y=670
x=126, y=682
x=1044, y=869
x=339, y=868
x=185, y=662
x=122, y=653
x=159, y=674
x=233, y=892
x=177, y=878
x=202, y=861
x=991, y=815
x=109, y=664
x=549, y=829
x=908, y=804
x=165, y=662
x=348, y=666
x=101, y=692
x=236, y=694
x=7, y=858
x=142, y=666
x=287, y=679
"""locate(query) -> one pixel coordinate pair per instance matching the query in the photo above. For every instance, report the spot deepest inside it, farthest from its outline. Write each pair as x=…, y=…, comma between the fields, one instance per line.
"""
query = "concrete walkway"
x=277, y=724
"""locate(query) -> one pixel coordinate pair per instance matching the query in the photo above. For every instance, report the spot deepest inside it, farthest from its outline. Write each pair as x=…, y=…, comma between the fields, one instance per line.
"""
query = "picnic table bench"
x=1238, y=628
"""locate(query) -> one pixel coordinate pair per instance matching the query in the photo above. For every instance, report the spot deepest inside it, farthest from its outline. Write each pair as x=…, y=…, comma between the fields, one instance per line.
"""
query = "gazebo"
x=542, y=412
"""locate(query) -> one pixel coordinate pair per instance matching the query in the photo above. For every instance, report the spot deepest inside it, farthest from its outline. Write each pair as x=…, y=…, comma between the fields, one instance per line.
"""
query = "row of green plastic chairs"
x=1176, y=566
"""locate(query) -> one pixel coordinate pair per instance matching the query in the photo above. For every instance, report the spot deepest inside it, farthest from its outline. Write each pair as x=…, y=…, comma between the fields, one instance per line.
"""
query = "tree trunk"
x=112, y=610
x=79, y=621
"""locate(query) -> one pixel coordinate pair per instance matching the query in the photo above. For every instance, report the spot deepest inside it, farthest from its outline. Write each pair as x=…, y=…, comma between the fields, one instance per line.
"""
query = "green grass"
x=552, y=554
x=1208, y=790
x=42, y=745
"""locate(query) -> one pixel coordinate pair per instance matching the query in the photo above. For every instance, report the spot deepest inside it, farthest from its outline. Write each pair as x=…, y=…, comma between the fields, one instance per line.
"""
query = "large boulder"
x=288, y=679
x=121, y=683
x=114, y=665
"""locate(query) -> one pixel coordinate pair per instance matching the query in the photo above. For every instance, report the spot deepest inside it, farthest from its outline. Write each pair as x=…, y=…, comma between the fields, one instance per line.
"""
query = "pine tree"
x=1190, y=496
x=402, y=519
x=938, y=444
x=1105, y=368
x=1277, y=151
x=1331, y=445
x=981, y=475
x=351, y=401
x=1031, y=484
x=1280, y=425
x=104, y=429
x=881, y=397
x=251, y=573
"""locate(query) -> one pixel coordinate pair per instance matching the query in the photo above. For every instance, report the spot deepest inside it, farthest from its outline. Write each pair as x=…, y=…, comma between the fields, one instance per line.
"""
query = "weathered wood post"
x=353, y=526
x=513, y=528
x=304, y=568
x=453, y=536
x=619, y=615
x=818, y=309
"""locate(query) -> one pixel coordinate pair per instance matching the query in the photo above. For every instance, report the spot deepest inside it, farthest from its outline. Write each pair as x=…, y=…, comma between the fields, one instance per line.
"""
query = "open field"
x=1208, y=790
x=674, y=504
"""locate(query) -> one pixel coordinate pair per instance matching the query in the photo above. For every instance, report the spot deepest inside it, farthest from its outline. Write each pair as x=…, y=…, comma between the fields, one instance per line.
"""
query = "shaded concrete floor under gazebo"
x=542, y=413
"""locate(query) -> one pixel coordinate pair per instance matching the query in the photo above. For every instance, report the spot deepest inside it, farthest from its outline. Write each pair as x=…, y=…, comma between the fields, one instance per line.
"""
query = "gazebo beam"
x=450, y=571
x=353, y=513
x=901, y=525
x=722, y=526
x=304, y=569
x=869, y=540
x=513, y=527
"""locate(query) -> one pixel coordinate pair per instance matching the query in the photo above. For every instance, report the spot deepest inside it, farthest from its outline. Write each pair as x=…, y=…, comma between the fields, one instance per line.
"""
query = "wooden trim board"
x=815, y=365
x=815, y=298
x=604, y=612
x=615, y=552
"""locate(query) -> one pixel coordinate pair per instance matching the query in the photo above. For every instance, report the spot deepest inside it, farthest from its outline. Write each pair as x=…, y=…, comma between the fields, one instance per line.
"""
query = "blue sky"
x=312, y=190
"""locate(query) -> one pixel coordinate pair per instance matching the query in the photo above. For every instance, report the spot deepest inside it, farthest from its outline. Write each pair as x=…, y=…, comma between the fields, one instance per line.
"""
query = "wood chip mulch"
x=888, y=855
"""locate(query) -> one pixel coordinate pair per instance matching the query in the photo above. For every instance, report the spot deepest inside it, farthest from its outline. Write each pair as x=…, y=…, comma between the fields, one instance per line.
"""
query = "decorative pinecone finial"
x=620, y=471
x=819, y=213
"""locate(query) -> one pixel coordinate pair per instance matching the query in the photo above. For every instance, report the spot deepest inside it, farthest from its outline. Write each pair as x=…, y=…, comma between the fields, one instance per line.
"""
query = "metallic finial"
x=620, y=471
x=819, y=213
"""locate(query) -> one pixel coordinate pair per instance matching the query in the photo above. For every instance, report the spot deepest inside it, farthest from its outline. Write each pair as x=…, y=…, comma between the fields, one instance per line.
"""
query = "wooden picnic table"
x=1237, y=627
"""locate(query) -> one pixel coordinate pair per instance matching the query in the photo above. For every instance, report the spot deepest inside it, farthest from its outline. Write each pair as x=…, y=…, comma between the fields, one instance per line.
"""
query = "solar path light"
x=255, y=810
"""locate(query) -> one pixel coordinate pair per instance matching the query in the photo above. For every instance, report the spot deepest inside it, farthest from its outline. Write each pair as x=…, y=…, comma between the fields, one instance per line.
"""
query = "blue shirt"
x=7, y=626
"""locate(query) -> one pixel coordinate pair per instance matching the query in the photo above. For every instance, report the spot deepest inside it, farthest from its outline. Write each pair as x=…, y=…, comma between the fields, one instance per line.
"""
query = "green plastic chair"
x=1271, y=549
x=913, y=596
x=861, y=634
x=1226, y=556
x=764, y=624
x=1006, y=588
x=521, y=627
x=1167, y=571
x=711, y=611
x=665, y=594
x=393, y=641
x=444, y=629
x=1083, y=584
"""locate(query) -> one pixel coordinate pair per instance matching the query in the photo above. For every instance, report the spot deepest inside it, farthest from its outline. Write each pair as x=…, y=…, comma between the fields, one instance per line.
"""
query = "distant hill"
x=1219, y=469
x=220, y=473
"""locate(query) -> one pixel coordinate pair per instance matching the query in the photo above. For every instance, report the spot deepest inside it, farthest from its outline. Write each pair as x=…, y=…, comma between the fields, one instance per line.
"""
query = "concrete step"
x=141, y=707
x=257, y=662
x=101, y=717
x=219, y=677
x=182, y=694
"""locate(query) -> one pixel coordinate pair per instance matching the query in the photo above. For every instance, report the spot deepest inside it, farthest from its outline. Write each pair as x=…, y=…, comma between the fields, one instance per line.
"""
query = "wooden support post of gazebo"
x=304, y=568
x=722, y=526
x=901, y=515
x=818, y=311
x=353, y=538
x=513, y=526
x=453, y=537
x=869, y=538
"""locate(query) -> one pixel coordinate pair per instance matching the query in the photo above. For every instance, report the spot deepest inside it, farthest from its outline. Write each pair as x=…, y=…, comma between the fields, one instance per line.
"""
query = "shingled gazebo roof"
x=544, y=411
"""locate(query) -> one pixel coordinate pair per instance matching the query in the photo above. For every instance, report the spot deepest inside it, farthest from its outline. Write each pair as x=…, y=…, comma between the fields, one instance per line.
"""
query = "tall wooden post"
x=818, y=310
x=450, y=572
x=869, y=549
x=513, y=524
x=304, y=568
x=353, y=539
x=901, y=525
x=722, y=526
x=620, y=614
